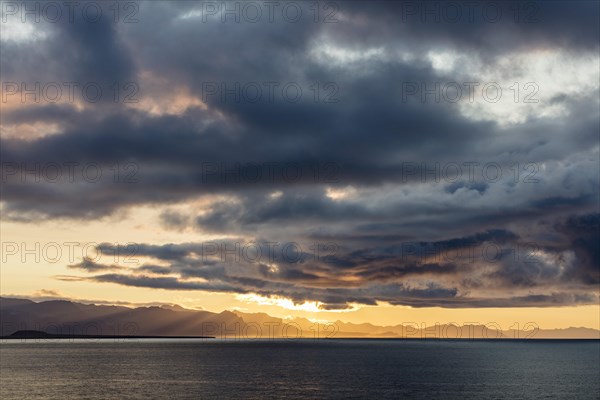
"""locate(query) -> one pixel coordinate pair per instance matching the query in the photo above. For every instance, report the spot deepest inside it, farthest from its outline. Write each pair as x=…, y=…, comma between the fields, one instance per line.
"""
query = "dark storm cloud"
x=372, y=144
x=488, y=27
x=76, y=50
x=341, y=298
x=583, y=233
x=174, y=161
x=487, y=269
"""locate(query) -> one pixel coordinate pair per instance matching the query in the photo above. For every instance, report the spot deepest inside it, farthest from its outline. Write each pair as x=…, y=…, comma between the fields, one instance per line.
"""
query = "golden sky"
x=429, y=175
x=32, y=279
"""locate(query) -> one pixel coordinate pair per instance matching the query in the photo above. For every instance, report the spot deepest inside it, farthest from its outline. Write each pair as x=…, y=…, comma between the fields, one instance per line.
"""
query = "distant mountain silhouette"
x=66, y=317
x=61, y=317
x=29, y=334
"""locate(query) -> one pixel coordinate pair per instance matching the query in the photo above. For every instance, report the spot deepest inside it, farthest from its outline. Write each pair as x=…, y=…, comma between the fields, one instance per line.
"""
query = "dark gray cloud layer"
x=363, y=166
x=495, y=268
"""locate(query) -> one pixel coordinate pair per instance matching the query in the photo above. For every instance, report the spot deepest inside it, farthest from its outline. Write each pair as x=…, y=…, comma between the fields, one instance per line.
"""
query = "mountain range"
x=62, y=317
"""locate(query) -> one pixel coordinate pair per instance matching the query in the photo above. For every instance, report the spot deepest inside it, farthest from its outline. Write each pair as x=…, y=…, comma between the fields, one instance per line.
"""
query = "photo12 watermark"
x=466, y=331
x=269, y=330
x=452, y=172
x=68, y=172
x=70, y=92
x=52, y=252
x=468, y=12
x=266, y=12
x=269, y=92
x=263, y=172
x=72, y=12
x=490, y=251
x=453, y=92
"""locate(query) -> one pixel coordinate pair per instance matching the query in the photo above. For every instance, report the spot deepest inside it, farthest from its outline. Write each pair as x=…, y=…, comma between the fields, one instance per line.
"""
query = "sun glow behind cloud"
x=308, y=306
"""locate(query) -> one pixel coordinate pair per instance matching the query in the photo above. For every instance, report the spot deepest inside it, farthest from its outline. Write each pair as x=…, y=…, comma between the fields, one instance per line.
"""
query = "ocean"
x=299, y=369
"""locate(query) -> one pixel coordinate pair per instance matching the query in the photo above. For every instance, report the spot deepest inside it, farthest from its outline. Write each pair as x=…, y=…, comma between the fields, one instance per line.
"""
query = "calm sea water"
x=299, y=369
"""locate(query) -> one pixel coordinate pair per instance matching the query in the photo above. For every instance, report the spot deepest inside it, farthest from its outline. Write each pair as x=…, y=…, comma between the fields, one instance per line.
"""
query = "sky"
x=380, y=162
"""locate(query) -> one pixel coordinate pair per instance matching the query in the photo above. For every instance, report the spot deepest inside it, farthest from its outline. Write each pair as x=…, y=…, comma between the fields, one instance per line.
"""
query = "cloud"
x=359, y=160
x=89, y=265
x=494, y=268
